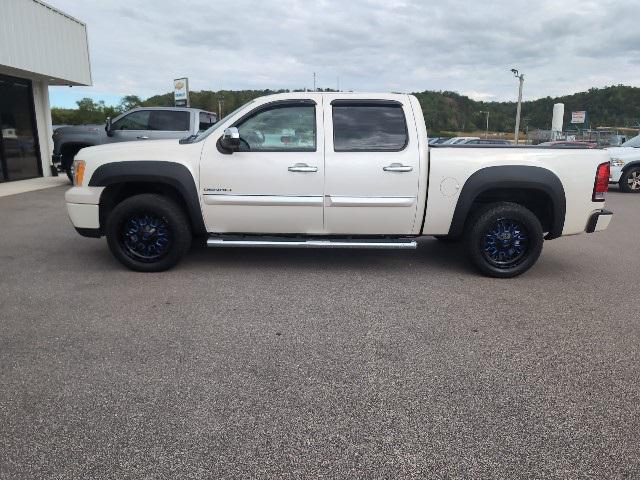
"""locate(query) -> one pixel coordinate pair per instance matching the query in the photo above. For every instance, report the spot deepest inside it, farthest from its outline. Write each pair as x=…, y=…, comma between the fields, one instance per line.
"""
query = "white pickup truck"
x=625, y=165
x=328, y=170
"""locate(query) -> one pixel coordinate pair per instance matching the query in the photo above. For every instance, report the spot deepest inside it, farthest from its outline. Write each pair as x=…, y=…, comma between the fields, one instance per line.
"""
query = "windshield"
x=634, y=142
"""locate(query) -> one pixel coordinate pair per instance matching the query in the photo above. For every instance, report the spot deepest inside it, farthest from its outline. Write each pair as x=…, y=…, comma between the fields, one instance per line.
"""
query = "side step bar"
x=275, y=242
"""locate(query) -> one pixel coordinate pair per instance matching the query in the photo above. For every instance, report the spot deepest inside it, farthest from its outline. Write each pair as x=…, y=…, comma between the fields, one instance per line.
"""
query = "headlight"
x=617, y=162
x=77, y=170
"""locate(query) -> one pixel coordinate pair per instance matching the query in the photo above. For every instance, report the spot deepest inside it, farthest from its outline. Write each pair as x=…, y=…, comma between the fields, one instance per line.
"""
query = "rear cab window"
x=168, y=120
x=369, y=126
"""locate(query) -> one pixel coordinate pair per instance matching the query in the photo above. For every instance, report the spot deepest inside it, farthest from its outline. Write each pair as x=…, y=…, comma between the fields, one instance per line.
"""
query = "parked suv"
x=144, y=123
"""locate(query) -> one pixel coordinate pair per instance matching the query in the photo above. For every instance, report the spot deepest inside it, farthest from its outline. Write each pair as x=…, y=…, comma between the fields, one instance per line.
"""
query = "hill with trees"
x=444, y=111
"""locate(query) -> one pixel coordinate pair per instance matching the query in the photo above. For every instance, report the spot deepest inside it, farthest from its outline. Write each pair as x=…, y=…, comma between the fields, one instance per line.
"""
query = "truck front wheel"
x=148, y=233
x=504, y=239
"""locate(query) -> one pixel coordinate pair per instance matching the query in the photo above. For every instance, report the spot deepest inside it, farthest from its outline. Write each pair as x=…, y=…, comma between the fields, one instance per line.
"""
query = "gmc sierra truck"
x=325, y=170
x=148, y=123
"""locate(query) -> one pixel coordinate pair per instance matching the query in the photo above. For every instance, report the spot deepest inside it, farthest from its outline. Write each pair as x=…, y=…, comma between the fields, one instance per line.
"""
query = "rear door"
x=169, y=124
x=371, y=165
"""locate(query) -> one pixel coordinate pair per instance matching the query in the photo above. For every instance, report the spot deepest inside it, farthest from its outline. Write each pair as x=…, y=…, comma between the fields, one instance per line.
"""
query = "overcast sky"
x=140, y=46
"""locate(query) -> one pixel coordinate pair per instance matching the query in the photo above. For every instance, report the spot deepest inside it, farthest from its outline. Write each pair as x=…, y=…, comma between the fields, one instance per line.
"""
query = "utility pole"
x=520, y=77
x=486, y=132
x=220, y=105
x=314, y=81
x=338, y=83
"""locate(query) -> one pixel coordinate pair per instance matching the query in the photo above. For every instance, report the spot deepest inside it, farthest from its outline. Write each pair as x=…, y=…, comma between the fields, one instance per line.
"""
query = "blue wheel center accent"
x=146, y=237
x=506, y=243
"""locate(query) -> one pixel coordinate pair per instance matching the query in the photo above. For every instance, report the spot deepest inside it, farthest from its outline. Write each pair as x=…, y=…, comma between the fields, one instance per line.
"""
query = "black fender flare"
x=511, y=176
x=173, y=174
x=631, y=164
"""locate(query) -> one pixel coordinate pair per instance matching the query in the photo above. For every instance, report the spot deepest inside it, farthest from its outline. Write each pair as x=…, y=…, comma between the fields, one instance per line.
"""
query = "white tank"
x=558, y=114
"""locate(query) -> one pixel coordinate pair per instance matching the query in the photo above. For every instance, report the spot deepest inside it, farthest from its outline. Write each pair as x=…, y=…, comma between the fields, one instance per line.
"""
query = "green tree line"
x=615, y=106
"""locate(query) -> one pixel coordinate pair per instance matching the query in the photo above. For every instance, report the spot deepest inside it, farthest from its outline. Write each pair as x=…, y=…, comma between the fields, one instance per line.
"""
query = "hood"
x=144, y=149
x=624, y=152
x=79, y=129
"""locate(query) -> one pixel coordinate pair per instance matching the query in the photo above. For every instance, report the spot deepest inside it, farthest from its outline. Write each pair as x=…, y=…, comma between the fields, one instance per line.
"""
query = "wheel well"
x=114, y=194
x=630, y=166
x=539, y=202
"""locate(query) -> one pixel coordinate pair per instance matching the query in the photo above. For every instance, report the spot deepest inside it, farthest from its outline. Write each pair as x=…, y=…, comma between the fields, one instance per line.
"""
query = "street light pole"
x=486, y=132
x=519, y=76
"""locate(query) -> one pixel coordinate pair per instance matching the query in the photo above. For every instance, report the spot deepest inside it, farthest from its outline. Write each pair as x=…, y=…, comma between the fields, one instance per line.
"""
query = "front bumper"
x=599, y=221
x=84, y=209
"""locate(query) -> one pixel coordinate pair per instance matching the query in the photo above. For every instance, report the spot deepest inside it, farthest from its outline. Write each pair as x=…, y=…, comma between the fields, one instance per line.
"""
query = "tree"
x=129, y=101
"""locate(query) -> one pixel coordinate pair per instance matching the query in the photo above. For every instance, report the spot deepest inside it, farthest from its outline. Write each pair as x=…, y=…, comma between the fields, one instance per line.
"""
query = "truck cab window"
x=134, y=121
x=168, y=121
x=280, y=128
x=362, y=127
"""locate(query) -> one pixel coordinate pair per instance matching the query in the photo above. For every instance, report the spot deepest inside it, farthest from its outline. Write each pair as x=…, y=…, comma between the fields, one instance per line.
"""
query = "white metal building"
x=39, y=46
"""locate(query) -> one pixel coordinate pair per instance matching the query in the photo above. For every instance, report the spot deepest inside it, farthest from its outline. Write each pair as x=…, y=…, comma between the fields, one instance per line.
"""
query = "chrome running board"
x=284, y=242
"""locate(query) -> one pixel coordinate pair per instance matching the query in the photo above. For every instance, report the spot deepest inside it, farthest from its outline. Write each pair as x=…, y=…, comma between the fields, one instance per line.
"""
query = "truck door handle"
x=397, y=167
x=142, y=137
x=302, y=167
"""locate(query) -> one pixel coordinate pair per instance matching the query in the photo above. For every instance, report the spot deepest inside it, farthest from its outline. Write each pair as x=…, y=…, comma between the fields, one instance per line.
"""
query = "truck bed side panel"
x=450, y=168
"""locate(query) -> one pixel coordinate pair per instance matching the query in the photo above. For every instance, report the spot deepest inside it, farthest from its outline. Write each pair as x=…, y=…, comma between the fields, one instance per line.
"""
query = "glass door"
x=19, y=150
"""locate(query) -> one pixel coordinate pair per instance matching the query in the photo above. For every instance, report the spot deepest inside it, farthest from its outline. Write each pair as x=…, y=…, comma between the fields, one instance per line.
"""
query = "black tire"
x=66, y=162
x=148, y=233
x=630, y=180
x=447, y=239
x=504, y=239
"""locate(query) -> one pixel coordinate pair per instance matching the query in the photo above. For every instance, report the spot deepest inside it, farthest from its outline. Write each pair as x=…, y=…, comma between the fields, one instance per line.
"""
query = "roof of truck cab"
x=362, y=95
x=177, y=109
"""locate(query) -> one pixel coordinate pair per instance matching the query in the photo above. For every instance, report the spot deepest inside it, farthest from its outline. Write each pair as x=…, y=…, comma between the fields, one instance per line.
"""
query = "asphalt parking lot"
x=316, y=364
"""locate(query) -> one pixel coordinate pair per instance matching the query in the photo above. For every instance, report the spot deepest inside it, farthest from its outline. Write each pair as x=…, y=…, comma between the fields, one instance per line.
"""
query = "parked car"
x=485, y=141
x=625, y=165
x=569, y=144
x=329, y=170
x=144, y=123
x=459, y=140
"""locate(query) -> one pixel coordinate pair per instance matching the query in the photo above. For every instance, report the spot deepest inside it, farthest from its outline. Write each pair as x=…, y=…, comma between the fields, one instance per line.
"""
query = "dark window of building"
x=19, y=150
x=375, y=126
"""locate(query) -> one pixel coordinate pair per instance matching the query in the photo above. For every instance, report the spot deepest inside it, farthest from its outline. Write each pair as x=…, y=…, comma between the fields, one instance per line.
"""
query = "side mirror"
x=107, y=127
x=230, y=139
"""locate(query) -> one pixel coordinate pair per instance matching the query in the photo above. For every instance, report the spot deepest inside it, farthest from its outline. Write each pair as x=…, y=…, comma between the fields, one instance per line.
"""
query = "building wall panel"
x=37, y=38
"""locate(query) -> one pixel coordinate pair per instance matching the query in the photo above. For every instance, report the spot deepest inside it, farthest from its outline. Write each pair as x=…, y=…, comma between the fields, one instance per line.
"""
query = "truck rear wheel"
x=504, y=240
x=148, y=233
x=630, y=180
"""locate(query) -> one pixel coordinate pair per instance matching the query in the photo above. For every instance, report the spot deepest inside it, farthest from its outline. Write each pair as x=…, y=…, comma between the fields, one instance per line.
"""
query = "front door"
x=274, y=183
x=150, y=125
x=372, y=166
